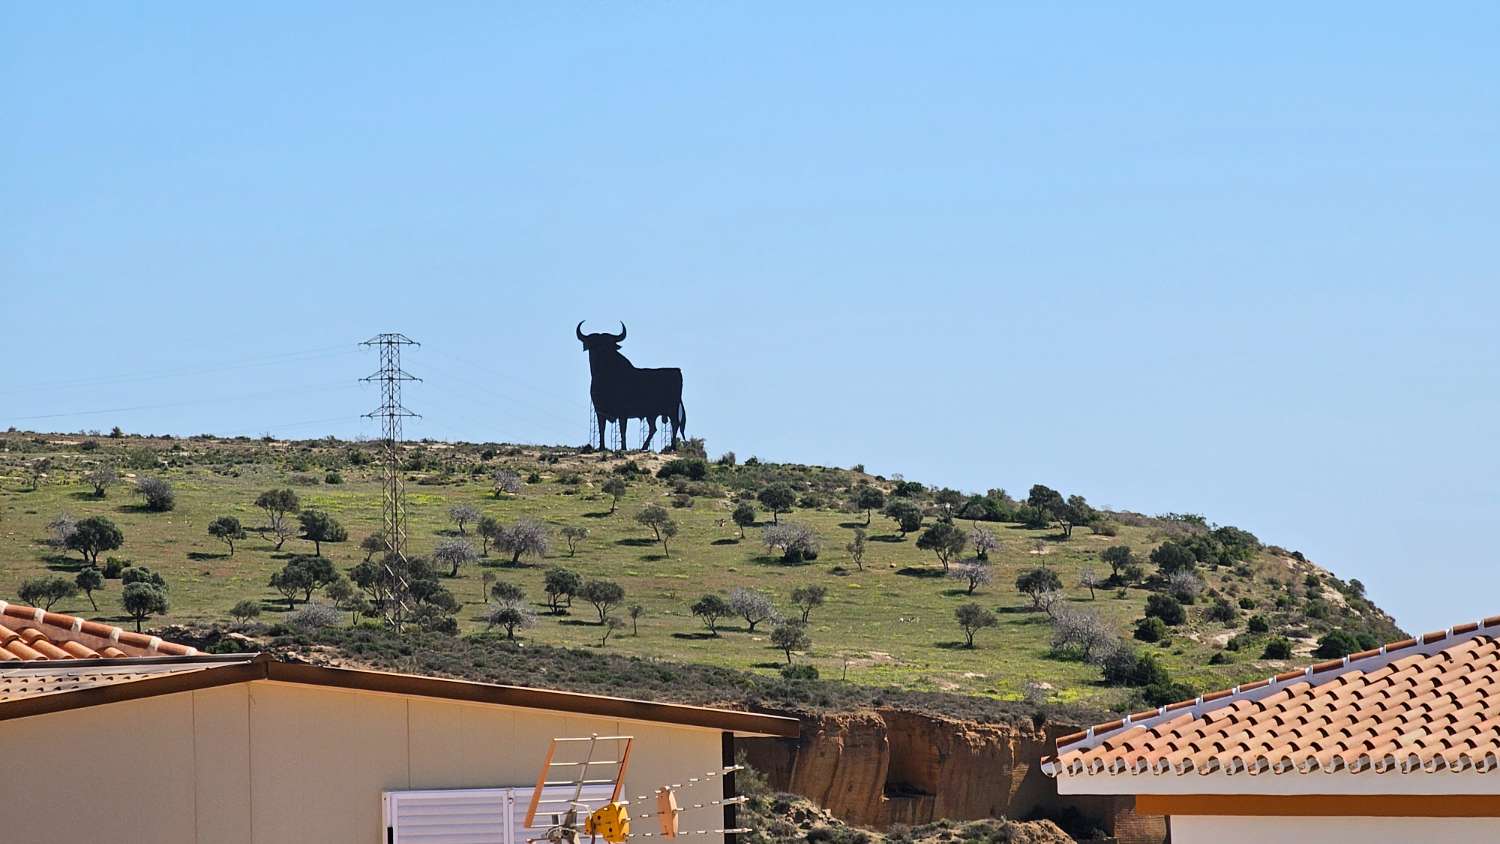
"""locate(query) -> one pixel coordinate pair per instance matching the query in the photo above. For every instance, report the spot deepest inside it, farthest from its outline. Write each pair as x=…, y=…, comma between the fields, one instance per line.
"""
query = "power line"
x=391, y=413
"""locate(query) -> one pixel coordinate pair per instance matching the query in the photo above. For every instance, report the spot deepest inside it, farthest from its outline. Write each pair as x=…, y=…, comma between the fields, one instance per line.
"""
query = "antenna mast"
x=391, y=413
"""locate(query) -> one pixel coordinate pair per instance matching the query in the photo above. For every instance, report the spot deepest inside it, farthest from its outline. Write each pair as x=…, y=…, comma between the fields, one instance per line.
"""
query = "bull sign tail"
x=621, y=391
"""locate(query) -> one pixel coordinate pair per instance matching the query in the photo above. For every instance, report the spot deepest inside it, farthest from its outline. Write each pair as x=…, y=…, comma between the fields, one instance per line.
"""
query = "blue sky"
x=1232, y=262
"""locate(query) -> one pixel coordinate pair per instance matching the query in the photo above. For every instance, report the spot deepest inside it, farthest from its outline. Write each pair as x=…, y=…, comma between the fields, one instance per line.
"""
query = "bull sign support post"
x=622, y=391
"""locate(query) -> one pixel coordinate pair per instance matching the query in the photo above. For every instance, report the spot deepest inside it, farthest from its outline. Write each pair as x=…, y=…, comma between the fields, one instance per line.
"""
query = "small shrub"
x=1277, y=648
x=799, y=671
x=333, y=478
x=1258, y=624
x=1150, y=629
x=1166, y=608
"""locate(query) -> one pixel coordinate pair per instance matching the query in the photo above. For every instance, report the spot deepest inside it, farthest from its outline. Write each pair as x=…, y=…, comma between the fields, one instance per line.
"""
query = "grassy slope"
x=891, y=623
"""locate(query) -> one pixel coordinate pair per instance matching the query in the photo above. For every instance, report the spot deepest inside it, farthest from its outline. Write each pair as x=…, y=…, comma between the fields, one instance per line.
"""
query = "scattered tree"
x=856, y=548
x=158, y=493
x=743, y=516
x=751, y=605
x=38, y=469
x=512, y=617
x=243, y=611
x=605, y=595
x=314, y=617
x=808, y=598
x=973, y=573
x=102, y=478
x=489, y=529
x=561, y=585
x=505, y=482
x=1083, y=632
x=45, y=591
x=318, y=527
x=60, y=530
x=88, y=580
x=778, y=498
x=983, y=541
x=791, y=636
x=345, y=596
x=1117, y=557
x=454, y=553
x=526, y=537
x=868, y=499
x=278, y=504
x=711, y=608
x=1171, y=558
x=610, y=625
x=1185, y=585
x=461, y=515
x=574, y=534
x=943, y=539
x=906, y=515
x=505, y=592
x=143, y=600
x=1090, y=581
x=94, y=535
x=796, y=542
x=372, y=544
x=655, y=516
x=292, y=580
x=635, y=611
x=226, y=529
x=615, y=488
x=973, y=618
x=1036, y=583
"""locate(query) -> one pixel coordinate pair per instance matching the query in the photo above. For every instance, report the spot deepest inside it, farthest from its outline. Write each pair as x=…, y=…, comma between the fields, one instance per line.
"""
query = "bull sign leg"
x=651, y=434
x=603, y=432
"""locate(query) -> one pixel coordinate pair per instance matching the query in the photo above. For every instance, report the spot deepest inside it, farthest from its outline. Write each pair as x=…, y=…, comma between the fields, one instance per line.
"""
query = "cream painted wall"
x=275, y=763
x=1244, y=830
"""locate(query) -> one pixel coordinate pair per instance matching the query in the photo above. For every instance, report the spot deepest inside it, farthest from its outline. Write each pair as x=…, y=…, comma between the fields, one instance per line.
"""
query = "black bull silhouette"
x=622, y=392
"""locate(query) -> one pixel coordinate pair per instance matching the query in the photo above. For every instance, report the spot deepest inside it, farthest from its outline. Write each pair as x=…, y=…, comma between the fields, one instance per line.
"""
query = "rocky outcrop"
x=883, y=767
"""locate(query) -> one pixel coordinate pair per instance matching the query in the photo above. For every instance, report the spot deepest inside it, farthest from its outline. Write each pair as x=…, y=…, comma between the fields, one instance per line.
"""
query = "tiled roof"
x=32, y=634
x=1426, y=704
x=35, y=681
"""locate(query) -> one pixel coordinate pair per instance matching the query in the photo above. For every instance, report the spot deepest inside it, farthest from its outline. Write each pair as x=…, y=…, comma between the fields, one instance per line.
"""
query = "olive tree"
x=743, y=516
x=808, y=598
x=226, y=529
x=45, y=591
x=605, y=595
x=778, y=498
x=791, y=636
x=574, y=535
x=143, y=600
x=1036, y=583
x=615, y=488
x=971, y=619
x=868, y=499
x=906, y=515
x=88, y=580
x=512, y=617
x=856, y=548
x=662, y=527
x=711, y=608
x=945, y=540
x=318, y=527
x=94, y=535
x=561, y=585
x=278, y=504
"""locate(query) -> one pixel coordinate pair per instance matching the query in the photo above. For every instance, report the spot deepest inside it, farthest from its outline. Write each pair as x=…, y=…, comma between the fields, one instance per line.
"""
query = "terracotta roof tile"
x=1430, y=704
x=31, y=634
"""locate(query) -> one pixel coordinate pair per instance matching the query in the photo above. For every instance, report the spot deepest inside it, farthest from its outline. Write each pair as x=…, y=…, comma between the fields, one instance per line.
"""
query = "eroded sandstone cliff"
x=882, y=767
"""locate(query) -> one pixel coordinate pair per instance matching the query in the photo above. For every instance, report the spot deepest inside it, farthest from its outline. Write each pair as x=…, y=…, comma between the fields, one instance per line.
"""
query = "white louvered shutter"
x=448, y=816
x=556, y=799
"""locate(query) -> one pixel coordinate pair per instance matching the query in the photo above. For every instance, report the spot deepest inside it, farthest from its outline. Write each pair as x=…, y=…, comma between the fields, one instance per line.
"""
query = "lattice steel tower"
x=391, y=412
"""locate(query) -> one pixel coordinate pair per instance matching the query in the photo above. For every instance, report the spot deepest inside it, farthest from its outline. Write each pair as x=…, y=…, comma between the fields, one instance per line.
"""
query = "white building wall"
x=1208, y=829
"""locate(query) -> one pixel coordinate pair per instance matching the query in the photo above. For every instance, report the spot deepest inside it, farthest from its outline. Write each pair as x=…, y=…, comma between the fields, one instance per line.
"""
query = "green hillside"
x=891, y=622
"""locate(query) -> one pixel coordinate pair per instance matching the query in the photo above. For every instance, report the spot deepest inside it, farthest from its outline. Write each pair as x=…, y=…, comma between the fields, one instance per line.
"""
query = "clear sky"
x=1176, y=258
